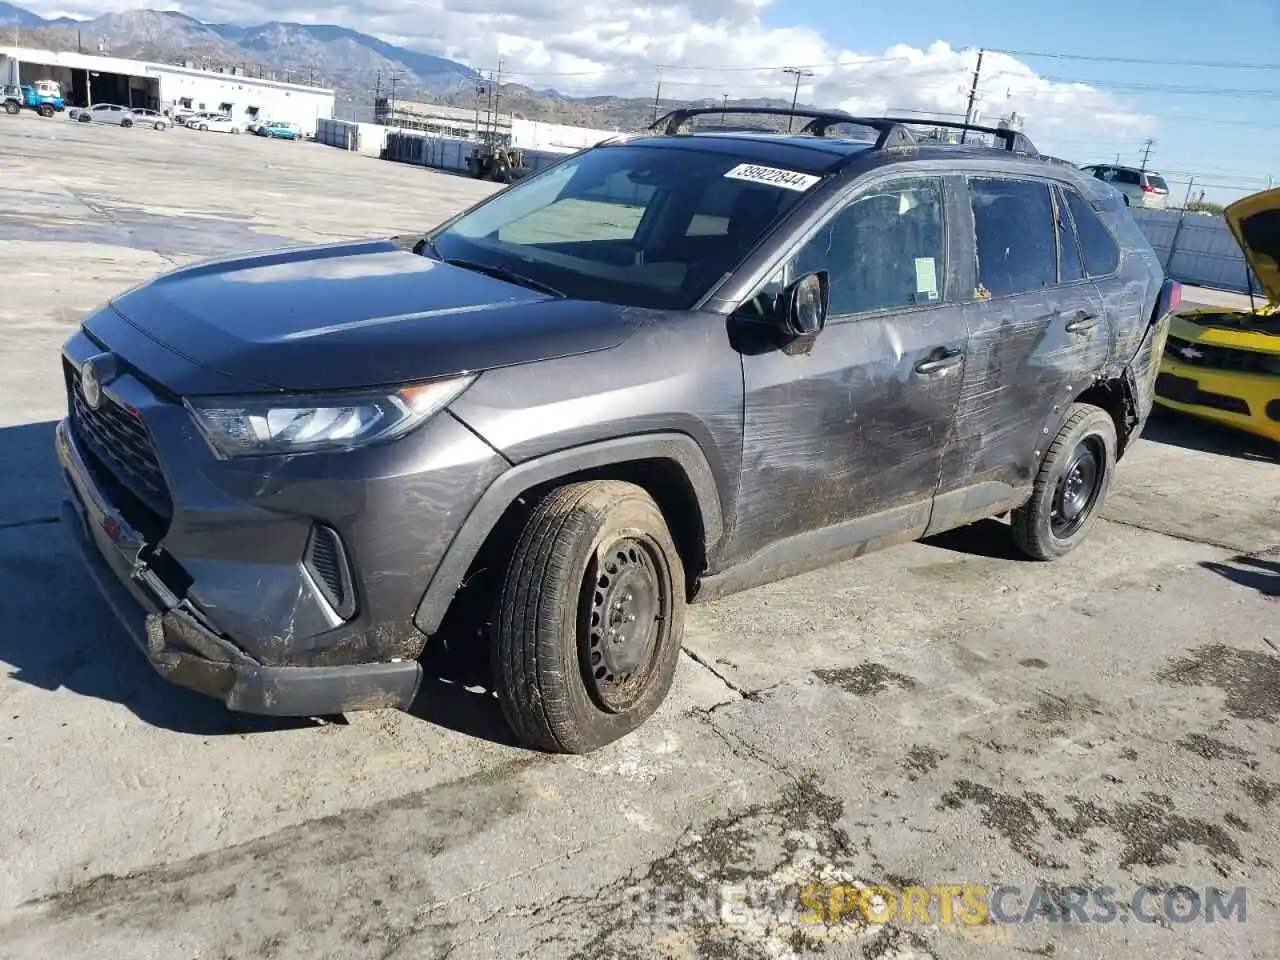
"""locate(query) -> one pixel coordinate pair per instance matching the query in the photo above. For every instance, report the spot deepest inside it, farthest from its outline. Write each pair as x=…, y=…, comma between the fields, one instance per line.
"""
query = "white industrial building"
x=88, y=79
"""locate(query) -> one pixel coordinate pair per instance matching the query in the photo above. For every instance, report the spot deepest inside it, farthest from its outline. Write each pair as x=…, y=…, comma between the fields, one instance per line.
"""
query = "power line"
x=1155, y=61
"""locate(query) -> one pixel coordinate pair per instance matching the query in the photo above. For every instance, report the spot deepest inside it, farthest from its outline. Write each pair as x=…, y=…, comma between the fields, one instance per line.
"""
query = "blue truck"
x=42, y=96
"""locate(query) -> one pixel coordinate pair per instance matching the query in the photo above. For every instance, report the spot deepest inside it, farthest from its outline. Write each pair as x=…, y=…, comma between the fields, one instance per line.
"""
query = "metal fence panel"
x=1195, y=249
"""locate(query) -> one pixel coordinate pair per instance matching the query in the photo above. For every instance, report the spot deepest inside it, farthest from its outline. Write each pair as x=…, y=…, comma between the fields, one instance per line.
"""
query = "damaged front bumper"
x=180, y=641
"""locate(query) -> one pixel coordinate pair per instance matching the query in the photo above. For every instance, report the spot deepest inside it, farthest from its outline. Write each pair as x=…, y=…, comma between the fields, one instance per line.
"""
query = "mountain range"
x=355, y=64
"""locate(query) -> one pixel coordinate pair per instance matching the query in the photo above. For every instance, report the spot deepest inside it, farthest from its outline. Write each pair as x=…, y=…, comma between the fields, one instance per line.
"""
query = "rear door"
x=1037, y=332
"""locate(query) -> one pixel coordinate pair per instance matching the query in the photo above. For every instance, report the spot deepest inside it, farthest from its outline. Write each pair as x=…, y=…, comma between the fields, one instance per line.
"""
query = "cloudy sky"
x=916, y=57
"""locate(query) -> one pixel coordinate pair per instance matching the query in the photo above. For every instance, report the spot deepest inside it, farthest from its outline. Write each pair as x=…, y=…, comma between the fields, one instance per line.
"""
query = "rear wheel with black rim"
x=1070, y=487
x=11, y=108
x=590, y=618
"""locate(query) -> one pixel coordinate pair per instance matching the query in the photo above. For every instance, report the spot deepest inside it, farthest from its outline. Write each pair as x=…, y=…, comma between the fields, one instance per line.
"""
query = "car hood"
x=1255, y=221
x=363, y=314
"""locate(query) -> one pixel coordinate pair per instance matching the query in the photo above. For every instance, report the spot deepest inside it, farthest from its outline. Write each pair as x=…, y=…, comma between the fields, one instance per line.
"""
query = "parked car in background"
x=151, y=118
x=287, y=468
x=191, y=120
x=217, y=123
x=1224, y=365
x=1140, y=188
x=106, y=113
x=279, y=130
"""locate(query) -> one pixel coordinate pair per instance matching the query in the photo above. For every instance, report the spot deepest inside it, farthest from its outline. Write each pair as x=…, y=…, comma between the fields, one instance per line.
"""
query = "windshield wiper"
x=502, y=273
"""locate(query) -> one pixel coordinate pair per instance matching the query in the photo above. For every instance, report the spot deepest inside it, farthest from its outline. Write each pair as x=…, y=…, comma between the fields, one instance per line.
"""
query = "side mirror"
x=804, y=305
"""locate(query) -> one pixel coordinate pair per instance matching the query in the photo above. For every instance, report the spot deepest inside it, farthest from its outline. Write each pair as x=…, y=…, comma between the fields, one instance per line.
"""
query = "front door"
x=1038, y=332
x=852, y=431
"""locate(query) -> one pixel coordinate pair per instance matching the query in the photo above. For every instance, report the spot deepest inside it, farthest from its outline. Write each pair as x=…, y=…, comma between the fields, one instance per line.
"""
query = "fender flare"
x=678, y=448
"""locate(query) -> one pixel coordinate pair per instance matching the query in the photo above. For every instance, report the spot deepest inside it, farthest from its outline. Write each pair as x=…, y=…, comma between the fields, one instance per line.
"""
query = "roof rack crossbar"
x=889, y=132
x=671, y=123
x=1015, y=141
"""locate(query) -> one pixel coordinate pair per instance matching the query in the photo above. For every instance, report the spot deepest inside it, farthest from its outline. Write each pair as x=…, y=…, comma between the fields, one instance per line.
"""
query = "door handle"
x=940, y=364
x=1083, y=322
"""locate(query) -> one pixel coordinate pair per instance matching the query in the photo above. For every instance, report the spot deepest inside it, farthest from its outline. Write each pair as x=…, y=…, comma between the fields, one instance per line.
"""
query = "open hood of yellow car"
x=1255, y=221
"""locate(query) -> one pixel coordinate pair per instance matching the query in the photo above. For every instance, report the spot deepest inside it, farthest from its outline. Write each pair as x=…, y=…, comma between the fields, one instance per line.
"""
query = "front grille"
x=1185, y=390
x=1213, y=357
x=119, y=441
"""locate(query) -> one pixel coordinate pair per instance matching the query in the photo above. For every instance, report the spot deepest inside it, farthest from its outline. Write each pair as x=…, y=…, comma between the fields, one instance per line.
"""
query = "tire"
x=586, y=546
x=1050, y=525
x=159, y=126
x=126, y=123
x=204, y=127
x=45, y=111
x=11, y=108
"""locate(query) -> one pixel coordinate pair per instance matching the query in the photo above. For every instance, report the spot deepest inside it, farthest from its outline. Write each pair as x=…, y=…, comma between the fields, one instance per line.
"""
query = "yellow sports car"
x=1224, y=365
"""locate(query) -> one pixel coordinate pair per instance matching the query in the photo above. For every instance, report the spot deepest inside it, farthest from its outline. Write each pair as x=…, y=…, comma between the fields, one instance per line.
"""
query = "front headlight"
x=291, y=423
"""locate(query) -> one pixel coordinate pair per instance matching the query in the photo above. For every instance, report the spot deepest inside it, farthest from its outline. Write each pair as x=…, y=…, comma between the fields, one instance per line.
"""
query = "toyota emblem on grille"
x=1190, y=353
x=95, y=373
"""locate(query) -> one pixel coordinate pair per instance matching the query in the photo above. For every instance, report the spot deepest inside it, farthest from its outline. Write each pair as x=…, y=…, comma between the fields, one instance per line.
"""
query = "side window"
x=886, y=249
x=1069, y=266
x=1101, y=254
x=1014, y=226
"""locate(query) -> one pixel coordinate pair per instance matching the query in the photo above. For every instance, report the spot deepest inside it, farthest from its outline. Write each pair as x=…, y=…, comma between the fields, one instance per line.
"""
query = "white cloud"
x=705, y=48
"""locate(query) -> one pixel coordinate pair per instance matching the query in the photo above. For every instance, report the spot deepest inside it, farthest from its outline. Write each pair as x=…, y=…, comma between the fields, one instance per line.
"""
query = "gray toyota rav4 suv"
x=665, y=369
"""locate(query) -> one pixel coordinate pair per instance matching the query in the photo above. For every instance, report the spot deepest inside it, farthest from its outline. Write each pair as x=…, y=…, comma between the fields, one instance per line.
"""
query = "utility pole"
x=488, y=103
x=973, y=96
x=1186, y=203
x=391, y=105
x=723, y=107
x=795, y=96
x=497, y=96
x=1146, y=153
x=657, y=96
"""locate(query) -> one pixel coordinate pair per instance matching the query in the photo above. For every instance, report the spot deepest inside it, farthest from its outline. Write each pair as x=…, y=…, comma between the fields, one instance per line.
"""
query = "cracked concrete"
x=938, y=715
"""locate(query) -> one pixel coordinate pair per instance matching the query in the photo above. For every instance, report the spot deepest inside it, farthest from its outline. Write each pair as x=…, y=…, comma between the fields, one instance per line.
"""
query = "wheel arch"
x=1115, y=398
x=1113, y=394
x=671, y=467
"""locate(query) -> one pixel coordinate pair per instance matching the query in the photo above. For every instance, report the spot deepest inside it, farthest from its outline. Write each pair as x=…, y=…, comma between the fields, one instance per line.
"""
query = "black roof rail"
x=890, y=132
x=1015, y=141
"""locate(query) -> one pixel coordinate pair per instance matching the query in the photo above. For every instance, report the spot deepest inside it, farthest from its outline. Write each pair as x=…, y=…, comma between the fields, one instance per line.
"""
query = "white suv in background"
x=1141, y=188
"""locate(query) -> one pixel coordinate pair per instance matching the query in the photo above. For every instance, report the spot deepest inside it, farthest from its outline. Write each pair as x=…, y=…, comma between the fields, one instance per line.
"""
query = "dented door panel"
x=849, y=430
x=1029, y=355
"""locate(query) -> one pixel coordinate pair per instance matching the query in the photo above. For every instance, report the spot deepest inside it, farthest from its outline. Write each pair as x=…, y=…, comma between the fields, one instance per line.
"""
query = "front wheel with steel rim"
x=590, y=618
x=1071, y=485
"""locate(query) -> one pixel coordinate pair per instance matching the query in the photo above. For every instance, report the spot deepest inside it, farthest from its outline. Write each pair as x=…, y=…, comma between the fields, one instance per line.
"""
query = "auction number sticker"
x=787, y=179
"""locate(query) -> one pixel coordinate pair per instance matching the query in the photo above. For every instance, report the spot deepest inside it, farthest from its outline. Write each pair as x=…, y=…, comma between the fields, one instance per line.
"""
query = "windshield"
x=640, y=226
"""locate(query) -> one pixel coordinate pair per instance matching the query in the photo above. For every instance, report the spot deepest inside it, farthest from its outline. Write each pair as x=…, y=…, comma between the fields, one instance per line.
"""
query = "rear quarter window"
x=1100, y=250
